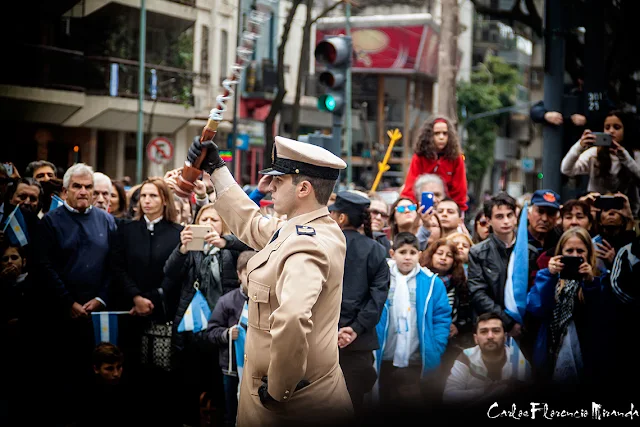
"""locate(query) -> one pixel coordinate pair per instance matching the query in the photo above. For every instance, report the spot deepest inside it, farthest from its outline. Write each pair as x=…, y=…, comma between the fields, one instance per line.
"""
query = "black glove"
x=264, y=395
x=212, y=161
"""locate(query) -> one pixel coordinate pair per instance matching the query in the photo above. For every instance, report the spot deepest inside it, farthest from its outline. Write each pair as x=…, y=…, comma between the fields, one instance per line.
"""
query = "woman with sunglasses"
x=404, y=217
x=481, y=227
x=437, y=151
x=379, y=212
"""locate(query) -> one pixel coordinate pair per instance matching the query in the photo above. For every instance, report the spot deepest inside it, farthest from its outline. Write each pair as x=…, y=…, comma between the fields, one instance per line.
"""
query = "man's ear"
x=305, y=189
x=391, y=252
x=475, y=339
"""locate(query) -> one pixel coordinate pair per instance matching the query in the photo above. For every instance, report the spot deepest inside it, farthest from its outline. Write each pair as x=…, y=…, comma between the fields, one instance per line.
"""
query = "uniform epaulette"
x=305, y=230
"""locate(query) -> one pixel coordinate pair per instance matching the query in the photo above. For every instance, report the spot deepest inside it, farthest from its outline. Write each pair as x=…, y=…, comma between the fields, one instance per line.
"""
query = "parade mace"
x=244, y=52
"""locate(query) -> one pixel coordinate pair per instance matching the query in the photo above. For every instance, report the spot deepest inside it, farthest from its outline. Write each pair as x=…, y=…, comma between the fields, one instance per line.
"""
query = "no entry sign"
x=160, y=150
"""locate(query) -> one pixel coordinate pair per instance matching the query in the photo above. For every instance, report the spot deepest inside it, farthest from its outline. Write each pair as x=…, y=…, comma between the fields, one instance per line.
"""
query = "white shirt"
x=74, y=210
x=151, y=224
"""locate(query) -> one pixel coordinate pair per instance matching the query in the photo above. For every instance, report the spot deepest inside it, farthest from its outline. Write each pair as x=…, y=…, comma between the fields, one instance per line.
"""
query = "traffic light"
x=334, y=56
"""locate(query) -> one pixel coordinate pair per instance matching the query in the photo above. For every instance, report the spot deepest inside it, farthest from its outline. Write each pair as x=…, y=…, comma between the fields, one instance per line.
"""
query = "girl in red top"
x=437, y=151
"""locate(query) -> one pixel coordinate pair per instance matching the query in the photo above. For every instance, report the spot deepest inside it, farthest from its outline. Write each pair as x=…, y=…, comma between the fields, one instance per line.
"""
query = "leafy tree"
x=492, y=86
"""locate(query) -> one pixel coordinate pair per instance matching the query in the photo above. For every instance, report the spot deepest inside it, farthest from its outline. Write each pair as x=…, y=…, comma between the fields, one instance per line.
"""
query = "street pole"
x=554, y=42
x=234, y=130
x=347, y=109
x=141, y=81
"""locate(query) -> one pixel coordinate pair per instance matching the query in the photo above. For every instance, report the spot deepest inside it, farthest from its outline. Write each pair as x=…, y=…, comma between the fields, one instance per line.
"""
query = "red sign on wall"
x=411, y=48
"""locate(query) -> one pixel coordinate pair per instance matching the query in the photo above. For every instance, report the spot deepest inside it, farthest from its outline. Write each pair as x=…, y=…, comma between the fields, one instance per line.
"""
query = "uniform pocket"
x=259, y=307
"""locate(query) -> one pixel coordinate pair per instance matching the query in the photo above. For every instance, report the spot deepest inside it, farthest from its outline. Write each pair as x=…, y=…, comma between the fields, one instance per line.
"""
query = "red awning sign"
x=160, y=150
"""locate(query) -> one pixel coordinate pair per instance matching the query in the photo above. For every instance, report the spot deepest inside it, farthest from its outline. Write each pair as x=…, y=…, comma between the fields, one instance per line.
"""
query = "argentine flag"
x=56, y=202
x=521, y=369
x=517, y=285
x=196, y=317
x=16, y=229
x=105, y=326
x=242, y=336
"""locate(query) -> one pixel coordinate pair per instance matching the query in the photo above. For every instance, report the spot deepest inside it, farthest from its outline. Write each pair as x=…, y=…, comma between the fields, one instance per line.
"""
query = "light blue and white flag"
x=521, y=369
x=239, y=343
x=517, y=285
x=105, y=326
x=16, y=228
x=56, y=202
x=196, y=317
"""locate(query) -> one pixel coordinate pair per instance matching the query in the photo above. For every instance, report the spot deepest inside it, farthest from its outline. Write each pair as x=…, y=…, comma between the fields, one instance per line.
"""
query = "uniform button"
x=245, y=357
x=255, y=297
x=286, y=392
x=284, y=398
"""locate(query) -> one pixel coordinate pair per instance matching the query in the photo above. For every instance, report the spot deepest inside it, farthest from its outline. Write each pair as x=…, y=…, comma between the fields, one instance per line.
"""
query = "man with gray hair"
x=434, y=184
x=101, y=191
x=73, y=256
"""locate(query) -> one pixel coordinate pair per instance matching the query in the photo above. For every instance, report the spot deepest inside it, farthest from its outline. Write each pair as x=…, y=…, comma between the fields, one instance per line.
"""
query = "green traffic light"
x=327, y=103
x=540, y=175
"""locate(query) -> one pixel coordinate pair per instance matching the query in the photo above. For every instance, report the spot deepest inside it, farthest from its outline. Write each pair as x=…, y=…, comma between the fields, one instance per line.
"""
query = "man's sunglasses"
x=375, y=213
x=403, y=209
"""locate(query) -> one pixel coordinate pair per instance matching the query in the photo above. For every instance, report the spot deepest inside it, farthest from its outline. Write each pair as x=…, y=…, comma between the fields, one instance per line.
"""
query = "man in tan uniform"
x=291, y=371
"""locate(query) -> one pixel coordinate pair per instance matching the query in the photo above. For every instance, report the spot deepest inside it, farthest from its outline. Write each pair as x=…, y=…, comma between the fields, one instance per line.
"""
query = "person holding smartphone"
x=564, y=297
x=610, y=168
x=213, y=268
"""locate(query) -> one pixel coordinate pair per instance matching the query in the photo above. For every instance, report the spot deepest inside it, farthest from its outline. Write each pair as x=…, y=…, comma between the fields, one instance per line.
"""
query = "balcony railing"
x=47, y=67
x=173, y=84
x=55, y=68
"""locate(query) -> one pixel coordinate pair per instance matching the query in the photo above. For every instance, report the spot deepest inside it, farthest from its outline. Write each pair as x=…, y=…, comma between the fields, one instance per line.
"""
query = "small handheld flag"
x=105, y=326
x=16, y=228
x=56, y=202
x=196, y=316
x=238, y=343
x=517, y=284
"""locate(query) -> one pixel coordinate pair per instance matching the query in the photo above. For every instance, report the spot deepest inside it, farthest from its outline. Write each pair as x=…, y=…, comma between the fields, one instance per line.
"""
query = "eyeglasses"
x=375, y=213
x=483, y=222
x=403, y=209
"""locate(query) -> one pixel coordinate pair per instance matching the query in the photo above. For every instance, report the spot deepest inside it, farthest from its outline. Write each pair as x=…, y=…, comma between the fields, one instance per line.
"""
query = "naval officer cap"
x=292, y=157
x=350, y=203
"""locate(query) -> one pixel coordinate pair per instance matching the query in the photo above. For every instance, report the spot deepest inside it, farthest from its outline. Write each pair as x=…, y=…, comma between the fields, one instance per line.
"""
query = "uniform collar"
x=151, y=224
x=290, y=225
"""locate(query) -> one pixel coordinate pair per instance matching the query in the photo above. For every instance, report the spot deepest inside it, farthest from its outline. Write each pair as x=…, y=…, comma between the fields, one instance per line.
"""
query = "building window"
x=204, y=55
x=224, y=45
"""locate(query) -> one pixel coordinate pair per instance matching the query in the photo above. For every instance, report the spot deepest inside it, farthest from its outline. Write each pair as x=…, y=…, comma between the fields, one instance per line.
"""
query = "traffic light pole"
x=347, y=110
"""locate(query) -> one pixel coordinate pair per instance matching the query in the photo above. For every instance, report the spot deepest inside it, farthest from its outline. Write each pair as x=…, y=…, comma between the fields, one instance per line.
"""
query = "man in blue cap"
x=542, y=218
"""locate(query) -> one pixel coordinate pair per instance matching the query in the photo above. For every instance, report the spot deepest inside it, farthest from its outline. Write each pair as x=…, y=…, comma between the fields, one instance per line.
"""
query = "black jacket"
x=180, y=272
x=226, y=314
x=138, y=260
x=487, y=275
x=364, y=289
x=382, y=238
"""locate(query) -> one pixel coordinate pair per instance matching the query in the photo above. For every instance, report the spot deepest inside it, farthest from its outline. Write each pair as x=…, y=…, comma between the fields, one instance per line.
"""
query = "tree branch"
x=327, y=10
x=531, y=20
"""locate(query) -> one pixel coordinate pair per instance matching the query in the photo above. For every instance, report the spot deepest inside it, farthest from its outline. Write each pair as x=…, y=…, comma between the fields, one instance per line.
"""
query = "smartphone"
x=607, y=203
x=427, y=200
x=9, y=168
x=597, y=239
x=602, y=139
x=199, y=231
x=571, y=266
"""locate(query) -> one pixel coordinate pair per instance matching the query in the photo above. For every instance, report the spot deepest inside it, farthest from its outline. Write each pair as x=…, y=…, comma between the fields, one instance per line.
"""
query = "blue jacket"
x=433, y=323
x=541, y=301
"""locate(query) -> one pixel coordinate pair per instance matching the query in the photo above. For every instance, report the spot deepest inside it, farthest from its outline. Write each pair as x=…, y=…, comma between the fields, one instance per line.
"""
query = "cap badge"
x=549, y=197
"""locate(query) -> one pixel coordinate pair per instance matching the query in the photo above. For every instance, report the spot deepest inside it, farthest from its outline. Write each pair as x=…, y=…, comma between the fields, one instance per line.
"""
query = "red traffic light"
x=333, y=51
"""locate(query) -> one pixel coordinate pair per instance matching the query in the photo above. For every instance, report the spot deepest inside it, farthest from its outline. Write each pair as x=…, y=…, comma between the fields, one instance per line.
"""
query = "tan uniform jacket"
x=295, y=293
